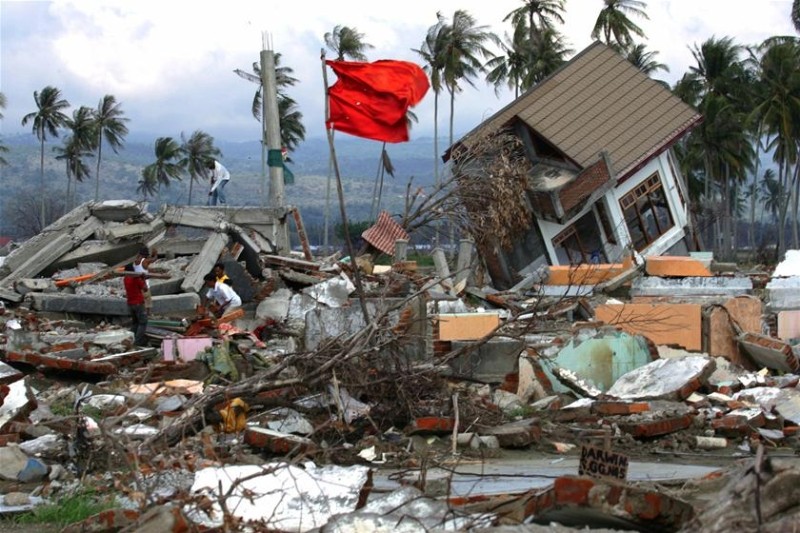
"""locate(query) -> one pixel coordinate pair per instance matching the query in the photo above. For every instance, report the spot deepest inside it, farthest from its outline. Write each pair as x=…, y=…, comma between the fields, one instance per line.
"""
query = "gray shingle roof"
x=599, y=101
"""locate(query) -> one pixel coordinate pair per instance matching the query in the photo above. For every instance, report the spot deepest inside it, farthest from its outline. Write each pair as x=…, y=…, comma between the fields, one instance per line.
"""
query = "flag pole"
x=340, y=192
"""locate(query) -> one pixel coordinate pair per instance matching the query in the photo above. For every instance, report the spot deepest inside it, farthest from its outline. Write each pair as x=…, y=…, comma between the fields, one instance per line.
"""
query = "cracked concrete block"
x=664, y=379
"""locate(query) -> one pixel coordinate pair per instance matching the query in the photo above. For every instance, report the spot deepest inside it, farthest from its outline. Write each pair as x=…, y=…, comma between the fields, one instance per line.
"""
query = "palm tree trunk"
x=452, y=113
x=781, y=248
x=97, y=170
x=191, y=183
x=41, y=183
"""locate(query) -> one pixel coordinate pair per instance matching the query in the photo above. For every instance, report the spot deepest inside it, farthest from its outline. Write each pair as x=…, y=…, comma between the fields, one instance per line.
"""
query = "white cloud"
x=170, y=63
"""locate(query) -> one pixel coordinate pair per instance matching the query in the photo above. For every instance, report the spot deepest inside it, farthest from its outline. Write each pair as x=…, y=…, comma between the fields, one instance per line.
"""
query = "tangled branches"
x=492, y=180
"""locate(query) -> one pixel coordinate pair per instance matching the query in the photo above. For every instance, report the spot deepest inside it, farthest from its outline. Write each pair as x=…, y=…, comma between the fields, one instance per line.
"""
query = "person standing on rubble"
x=219, y=178
x=140, y=264
x=136, y=292
x=221, y=295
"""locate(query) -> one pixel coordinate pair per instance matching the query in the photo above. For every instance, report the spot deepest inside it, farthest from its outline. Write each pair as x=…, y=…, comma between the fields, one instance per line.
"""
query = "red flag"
x=371, y=99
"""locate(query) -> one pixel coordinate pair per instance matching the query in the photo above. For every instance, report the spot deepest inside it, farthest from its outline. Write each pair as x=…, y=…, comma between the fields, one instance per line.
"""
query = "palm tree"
x=48, y=118
x=464, y=43
x=796, y=14
x=196, y=151
x=73, y=153
x=3, y=147
x=613, y=21
x=109, y=123
x=510, y=67
x=432, y=53
x=778, y=115
x=720, y=87
x=164, y=169
x=645, y=61
x=546, y=53
x=82, y=142
x=293, y=132
x=536, y=15
x=347, y=42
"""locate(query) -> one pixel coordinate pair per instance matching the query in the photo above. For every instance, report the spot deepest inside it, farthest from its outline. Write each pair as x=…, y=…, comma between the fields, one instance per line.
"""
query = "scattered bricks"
x=739, y=423
x=609, y=408
x=520, y=434
x=731, y=426
x=791, y=431
x=588, y=500
x=657, y=427
x=109, y=520
x=57, y=363
x=727, y=389
x=277, y=442
x=572, y=490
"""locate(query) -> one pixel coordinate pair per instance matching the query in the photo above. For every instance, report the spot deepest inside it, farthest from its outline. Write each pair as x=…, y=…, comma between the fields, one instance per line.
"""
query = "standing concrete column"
x=464, y=263
x=440, y=262
x=400, y=250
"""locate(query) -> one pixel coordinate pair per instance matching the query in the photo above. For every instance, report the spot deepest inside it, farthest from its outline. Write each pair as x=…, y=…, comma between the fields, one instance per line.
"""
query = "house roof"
x=599, y=101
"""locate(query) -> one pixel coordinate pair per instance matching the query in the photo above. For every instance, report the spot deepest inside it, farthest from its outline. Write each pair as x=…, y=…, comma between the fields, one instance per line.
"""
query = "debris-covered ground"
x=660, y=394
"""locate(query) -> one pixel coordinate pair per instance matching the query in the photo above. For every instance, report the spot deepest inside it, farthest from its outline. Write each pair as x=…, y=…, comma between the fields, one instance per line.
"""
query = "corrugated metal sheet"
x=598, y=102
x=383, y=234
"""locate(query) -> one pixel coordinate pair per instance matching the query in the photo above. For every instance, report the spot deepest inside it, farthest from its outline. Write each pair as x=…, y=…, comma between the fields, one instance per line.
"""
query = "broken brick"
x=657, y=427
x=276, y=442
x=57, y=363
x=608, y=408
x=433, y=424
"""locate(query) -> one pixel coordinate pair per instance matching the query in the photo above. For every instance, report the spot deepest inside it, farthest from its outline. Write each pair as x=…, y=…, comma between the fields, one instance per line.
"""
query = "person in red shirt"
x=136, y=292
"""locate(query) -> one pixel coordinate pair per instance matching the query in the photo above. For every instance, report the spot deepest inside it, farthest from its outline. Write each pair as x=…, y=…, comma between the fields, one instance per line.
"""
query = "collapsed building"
x=601, y=177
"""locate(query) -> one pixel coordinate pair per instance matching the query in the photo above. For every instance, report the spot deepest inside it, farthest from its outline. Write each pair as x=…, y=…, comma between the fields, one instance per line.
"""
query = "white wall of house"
x=614, y=252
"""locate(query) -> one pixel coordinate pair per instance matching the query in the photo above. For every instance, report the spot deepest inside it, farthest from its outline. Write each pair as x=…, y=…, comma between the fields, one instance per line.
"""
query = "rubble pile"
x=317, y=406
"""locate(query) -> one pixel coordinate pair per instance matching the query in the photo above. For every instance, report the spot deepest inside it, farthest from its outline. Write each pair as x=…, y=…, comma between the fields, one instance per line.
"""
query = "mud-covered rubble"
x=312, y=379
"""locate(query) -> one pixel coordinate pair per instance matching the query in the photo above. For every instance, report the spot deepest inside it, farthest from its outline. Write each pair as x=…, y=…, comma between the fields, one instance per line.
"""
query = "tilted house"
x=603, y=179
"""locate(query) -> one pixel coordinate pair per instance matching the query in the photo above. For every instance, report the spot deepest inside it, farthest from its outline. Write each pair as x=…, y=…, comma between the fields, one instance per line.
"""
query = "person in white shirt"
x=219, y=178
x=221, y=295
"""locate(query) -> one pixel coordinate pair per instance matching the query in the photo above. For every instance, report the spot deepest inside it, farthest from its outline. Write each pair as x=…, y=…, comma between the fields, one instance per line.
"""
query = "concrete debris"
x=304, y=408
x=664, y=379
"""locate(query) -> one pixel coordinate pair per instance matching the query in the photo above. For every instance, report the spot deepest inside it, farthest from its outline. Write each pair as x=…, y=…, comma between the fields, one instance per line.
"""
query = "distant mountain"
x=120, y=173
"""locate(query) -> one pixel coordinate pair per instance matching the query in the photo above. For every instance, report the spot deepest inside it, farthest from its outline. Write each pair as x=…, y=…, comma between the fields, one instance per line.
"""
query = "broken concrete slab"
x=665, y=323
x=490, y=362
x=664, y=379
x=282, y=496
x=769, y=352
x=695, y=286
x=204, y=262
x=600, y=356
x=723, y=323
x=100, y=305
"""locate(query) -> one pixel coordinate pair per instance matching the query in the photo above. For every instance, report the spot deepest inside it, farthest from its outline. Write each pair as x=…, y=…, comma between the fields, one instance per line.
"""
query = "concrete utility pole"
x=271, y=139
x=272, y=127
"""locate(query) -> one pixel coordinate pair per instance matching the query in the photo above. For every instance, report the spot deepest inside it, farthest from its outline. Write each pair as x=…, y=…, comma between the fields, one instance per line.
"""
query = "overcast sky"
x=170, y=63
